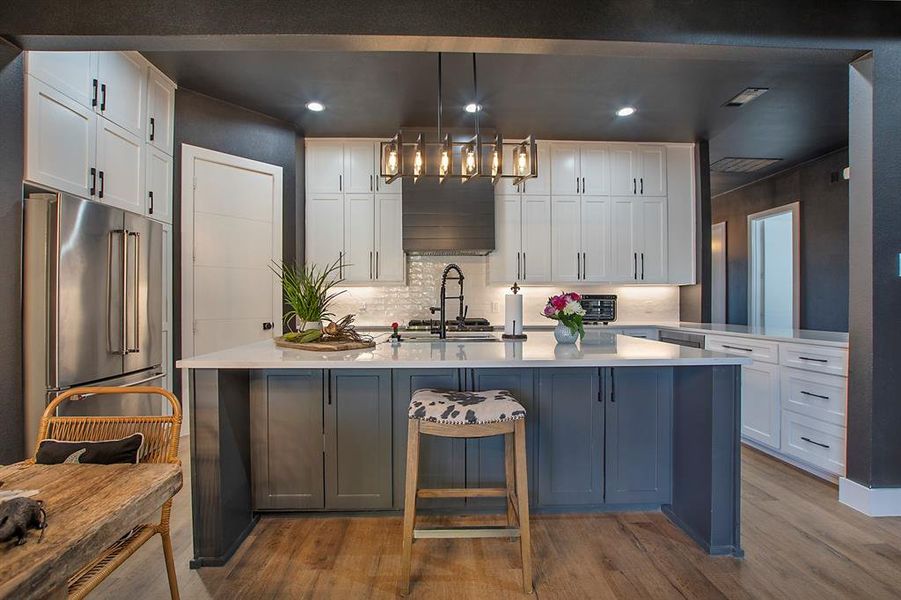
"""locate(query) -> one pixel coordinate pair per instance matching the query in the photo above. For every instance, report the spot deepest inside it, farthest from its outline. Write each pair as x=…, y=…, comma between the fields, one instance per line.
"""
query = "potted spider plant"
x=308, y=291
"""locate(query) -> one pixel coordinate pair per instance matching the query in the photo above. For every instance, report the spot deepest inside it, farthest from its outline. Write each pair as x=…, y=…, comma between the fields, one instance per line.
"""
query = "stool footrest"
x=462, y=493
x=466, y=532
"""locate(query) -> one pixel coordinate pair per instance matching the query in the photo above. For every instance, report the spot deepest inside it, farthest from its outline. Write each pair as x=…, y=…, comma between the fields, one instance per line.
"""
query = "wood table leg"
x=412, y=477
x=522, y=497
x=510, y=475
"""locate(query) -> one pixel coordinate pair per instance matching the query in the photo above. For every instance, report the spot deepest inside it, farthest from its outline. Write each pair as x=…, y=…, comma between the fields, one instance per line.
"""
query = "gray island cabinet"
x=613, y=424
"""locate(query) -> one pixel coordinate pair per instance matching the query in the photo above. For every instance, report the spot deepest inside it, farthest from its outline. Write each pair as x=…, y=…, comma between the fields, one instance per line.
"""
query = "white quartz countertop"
x=598, y=349
x=803, y=336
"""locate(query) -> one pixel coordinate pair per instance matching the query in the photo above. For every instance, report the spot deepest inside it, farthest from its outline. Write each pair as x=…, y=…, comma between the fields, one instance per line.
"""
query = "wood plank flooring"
x=799, y=543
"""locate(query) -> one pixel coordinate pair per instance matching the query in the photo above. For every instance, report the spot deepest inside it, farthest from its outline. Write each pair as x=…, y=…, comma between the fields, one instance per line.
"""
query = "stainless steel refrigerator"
x=92, y=308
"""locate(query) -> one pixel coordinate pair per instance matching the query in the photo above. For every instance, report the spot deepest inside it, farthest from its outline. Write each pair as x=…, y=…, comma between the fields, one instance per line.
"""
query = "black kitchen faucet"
x=441, y=330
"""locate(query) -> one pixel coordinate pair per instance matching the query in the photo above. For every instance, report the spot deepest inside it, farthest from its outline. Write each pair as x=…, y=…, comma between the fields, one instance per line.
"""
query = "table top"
x=88, y=508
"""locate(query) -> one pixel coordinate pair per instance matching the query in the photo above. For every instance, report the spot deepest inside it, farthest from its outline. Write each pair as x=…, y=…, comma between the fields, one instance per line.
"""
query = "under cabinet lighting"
x=316, y=106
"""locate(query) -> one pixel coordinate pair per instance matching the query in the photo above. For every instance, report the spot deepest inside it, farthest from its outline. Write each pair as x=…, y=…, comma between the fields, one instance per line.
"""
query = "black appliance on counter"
x=599, y=308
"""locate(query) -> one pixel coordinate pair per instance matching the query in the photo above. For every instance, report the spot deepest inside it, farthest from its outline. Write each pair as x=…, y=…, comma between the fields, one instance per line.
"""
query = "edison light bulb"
x=495, y=163
x=392, y=160
x=445, y=163
x=521, y=160
x=417, y=164
x=470, y=160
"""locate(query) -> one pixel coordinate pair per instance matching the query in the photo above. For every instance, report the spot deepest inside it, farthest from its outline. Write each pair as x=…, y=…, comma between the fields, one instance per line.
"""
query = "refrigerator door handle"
x=125, y=233
x=136, y=310
x=109, y=294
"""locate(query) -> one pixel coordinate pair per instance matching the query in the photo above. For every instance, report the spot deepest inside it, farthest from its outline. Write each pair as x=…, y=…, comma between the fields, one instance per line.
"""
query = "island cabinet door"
x=570, y=437
x=442, y=461
x=485, y=456
x=639, y=434
x=358, y=439
x=286, y=439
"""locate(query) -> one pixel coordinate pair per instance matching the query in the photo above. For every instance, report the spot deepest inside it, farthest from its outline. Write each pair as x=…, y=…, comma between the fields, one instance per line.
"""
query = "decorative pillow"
x=105, y=452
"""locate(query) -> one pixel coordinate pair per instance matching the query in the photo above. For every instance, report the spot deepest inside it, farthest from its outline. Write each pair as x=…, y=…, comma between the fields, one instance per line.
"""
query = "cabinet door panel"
x=358, y=440
x=570, y=437
x=624, y=251
x=652, y=245
x=639, y=435
x=120, y=167
x=566, y=257
x=359, y=230
x=71, y=73
x=124, y=75
x=160, y=111
x=325, y=167
x=286, y=439
x=61, y=140
x=536, y=238
x=442, y=461
x=596, y=242
x=359, y=167
x=623, y=170
x=389, y=263
x=652, y=176
x=325, y=229
x=565, y=169
x=595, y=169
x=541, y=184
x=760, y=403
x=505, y=263
x=159, y=185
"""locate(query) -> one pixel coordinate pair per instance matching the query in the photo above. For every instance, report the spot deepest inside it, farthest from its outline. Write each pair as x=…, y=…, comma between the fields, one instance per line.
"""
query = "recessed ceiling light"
x=316, y=106
x=625, y=111
x=473, y=107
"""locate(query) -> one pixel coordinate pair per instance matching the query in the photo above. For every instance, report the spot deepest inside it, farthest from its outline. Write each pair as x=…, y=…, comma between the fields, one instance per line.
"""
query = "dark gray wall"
x=824, y=238
x=11, y=170
x=209, y=123
x=694, y=300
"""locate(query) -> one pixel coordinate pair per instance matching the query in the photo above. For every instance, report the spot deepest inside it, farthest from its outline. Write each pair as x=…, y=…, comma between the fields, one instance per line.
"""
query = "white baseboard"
x=873, y=502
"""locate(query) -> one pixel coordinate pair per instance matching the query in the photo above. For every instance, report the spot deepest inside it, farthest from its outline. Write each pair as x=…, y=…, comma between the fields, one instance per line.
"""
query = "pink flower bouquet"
x=567, y=309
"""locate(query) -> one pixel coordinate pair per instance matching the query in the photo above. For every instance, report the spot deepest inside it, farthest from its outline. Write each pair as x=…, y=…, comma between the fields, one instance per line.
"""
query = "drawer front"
x=640, y=332
x=822, y=359
x=813, y=441
x=816, y=395
x=759, y=350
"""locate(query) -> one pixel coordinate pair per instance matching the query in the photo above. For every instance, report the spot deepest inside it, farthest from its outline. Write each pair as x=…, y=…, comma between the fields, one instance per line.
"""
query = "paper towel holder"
x=514, y=337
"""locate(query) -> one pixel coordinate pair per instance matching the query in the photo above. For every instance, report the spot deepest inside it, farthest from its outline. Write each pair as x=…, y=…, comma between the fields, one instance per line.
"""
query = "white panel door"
x=123, y=90
x=71, y=73
x=159, y=184
x=389, y=251
x=566, y=250
x=624, y=224
x=505, y=263
x=160, y=111
x=541, y=184
x=359, y=242
x=565, y=176
x=359, y=168
x=536, y=238
x=120, y=167
x=652, y=171
x=324, y=229
x=623, y=170
x=235, y=231
x=652, y=245
x=760, y=403
x=596, y=238
x=60, y=140
x=595, y=169
x=325, y=167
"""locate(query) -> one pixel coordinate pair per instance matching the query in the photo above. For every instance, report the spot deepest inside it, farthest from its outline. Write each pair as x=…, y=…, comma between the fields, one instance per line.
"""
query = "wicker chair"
x=160, y=446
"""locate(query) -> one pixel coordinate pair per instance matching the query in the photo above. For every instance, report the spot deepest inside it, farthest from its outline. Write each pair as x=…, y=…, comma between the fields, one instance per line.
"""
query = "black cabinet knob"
x=267, y=326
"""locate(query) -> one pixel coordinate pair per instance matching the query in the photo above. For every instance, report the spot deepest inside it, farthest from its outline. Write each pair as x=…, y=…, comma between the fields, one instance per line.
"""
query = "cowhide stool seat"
x=446, y=413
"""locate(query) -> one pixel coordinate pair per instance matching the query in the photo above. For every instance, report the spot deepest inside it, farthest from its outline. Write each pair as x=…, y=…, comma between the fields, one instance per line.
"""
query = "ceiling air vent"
x=742, y=165
x=746, y=95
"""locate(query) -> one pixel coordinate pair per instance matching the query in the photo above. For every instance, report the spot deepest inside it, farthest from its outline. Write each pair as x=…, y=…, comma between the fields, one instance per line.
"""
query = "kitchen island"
x=613, y=423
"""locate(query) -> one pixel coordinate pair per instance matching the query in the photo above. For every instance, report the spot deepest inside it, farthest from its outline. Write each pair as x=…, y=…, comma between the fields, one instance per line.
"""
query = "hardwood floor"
x=799, y=543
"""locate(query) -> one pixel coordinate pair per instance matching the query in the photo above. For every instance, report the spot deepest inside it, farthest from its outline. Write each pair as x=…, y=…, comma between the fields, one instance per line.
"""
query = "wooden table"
x=88, y=508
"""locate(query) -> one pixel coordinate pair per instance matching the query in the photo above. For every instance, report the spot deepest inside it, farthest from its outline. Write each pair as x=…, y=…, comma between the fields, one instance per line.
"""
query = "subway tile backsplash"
x=381, y=305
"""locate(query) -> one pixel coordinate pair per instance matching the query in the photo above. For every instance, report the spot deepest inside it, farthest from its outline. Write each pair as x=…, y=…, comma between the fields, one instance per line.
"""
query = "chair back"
x=161, y=433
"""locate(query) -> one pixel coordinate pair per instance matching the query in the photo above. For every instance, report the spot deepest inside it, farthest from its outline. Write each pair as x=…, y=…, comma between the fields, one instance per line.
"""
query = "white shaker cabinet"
x=760, y=407
x=325, y=167
x=639, y=253
x=505, y=263
x=123, y=89
x=359, y=167
x=160, y=111
x=72, y=73
x=580, y=238
x=523, y=239
x=652, y=170
x=637, y=170
x=579, y=168
x=389, y=251
x=324, y=228
x=536, y=238
x=158, y=174
x=120, y=167
x=359, y=238
x=595, y=232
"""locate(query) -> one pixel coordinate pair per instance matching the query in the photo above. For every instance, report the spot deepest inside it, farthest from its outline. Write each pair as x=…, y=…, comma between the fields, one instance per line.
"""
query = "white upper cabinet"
x=160, y=111
x=158, y=173
x=359, y=238
x=652, y=171
x=639, y=252
x=566, y=246
x=595, y=169
x=565, y=172
x=653, y=257
x=595, y=232
x=541, y=183
x=359, y=168
x=123, y=89
x=389, y=251
x=72, y=73
x=624, y=230
x=324, y=228
x=120, y=167
x=580, y=169
x=60, y=140
x=637, y=170
x=325, y=167
x=505, y=263
x=536, y=239
x=623, y=170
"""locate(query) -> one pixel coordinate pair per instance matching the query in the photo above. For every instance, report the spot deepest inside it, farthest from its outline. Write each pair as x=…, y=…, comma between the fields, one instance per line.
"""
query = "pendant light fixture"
x=419, y=159
x=471, y=154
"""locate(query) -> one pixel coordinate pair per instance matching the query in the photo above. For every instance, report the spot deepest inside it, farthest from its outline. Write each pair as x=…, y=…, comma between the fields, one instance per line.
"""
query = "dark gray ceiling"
x=679, y=97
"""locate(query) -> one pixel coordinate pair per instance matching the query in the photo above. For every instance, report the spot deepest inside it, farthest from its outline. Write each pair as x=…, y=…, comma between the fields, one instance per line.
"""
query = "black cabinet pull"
x=820, y=396
x=93, y=181
x=152, y=128
x=150, y=211
x=633, y=186
x=524, y=276
x=94, y=98
x=737, y=348
x=340, y=183
x=642, y=266
x=370, y=265
x=376, y=264
x=518, y=267
x=102, y=96
x=584, y=266
x=100, y=193
x=810, y=441
x=612, y=386
x=583, y=185
x=642, y=185
x=819, y=360
x=635, y=265
x=370, y=183
x=578, y=266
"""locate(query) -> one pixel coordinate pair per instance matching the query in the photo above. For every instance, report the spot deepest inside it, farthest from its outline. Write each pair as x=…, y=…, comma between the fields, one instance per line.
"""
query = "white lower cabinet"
x=815, y=395
x=760, y=406
x=816, y=442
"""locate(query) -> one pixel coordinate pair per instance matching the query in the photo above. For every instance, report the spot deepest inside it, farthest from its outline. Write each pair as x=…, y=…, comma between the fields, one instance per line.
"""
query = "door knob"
x=267, y=326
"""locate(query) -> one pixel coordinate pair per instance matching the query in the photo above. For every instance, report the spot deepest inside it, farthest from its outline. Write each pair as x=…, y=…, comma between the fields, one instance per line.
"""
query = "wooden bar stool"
x=446, y=413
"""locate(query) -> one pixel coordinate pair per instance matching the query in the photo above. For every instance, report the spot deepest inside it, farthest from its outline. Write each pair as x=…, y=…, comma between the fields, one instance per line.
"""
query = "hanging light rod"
x=478, y=157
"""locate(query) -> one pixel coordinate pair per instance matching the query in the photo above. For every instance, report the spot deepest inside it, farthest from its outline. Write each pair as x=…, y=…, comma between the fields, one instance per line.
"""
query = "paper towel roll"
x=513, y=314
